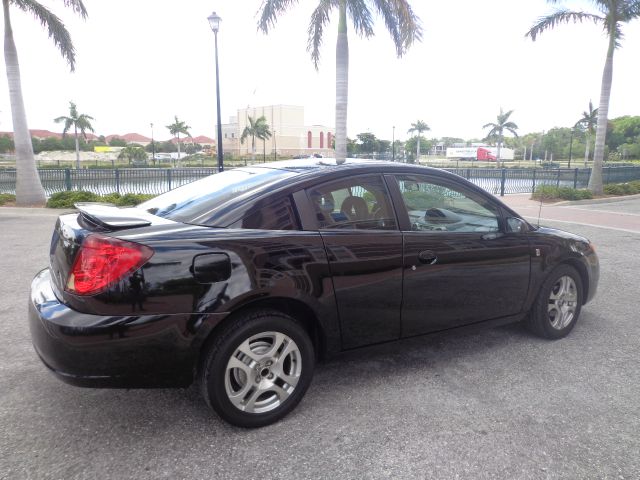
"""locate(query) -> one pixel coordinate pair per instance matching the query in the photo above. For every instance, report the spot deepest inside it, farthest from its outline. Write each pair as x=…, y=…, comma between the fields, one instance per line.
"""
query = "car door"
x=364, y=245
x=460, y=265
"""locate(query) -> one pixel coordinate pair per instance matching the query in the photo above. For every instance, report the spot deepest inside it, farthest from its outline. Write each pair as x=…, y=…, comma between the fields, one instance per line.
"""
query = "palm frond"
x=55, y=28
x=77, y=6
x=561, y=16
x=361, y=17
x=269, y=12
x=401, y=22
x=319, y=20
x=492, y=125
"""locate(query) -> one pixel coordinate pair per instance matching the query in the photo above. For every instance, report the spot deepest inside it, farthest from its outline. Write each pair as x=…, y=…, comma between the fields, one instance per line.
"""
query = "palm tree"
x=29, y=189
x=588, y=121
x=175, y=129
x=497, y=130
x=257, y=128
x=403, y=25
x=80, y=122
x=612, y=14
x=419, y=127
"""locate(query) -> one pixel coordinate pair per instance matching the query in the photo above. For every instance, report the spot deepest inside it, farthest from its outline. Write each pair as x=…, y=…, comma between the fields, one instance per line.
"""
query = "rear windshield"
x=192, y=203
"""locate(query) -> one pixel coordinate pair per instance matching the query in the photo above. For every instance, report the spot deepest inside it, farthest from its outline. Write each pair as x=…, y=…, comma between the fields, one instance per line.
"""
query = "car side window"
x=360, y=203
x=435, y=207
x=278, y=215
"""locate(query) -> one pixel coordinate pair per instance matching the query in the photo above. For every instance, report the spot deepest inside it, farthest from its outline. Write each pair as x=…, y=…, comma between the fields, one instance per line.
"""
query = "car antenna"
x=539, y=211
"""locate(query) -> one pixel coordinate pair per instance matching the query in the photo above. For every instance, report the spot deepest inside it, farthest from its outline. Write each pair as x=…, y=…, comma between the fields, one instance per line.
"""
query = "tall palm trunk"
x=595, y=180
x=586, y=150
x=418, y=149
x=342, y=84
x=253, y=148
x=29, y=191
x=75, y=129
x=498, y=152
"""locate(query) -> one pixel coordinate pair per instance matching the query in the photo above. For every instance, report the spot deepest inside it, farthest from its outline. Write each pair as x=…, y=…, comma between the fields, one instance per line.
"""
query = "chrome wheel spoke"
x=263, y=372
x=562, y=302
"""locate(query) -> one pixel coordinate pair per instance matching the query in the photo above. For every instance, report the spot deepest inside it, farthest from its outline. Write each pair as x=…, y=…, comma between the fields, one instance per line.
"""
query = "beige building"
x=290, y=135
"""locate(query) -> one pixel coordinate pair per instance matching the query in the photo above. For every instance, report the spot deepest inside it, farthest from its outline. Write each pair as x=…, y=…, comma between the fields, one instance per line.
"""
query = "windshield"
x=190, y=202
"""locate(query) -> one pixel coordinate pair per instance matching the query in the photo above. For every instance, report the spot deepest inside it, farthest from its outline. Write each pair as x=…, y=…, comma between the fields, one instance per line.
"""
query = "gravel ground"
x=495, y=404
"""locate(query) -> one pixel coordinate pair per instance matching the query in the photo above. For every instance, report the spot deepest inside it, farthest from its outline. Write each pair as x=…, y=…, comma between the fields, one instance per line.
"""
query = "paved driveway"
x=495, y=404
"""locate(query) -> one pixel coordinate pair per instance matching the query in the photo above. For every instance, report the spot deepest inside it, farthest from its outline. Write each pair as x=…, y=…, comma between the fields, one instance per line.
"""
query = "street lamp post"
x=214, y=22
x=153, y=147
x=393, y=144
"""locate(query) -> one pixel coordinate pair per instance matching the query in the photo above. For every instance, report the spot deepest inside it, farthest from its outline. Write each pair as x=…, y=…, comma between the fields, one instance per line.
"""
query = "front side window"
x=436, y=207
x=356, y=203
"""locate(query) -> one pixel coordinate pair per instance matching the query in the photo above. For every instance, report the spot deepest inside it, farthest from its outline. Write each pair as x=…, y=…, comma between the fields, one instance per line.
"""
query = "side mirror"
x=516, y=225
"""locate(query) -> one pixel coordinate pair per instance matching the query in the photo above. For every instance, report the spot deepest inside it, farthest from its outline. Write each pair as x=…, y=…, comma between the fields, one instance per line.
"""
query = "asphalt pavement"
x=499, y=403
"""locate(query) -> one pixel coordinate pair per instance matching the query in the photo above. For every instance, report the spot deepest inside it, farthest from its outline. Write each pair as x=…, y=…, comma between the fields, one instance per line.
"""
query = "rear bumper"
x=113, y=351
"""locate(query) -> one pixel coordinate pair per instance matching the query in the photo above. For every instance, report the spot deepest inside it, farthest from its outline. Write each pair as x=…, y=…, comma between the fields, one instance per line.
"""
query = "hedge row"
x=549, y=192
x=68, y=199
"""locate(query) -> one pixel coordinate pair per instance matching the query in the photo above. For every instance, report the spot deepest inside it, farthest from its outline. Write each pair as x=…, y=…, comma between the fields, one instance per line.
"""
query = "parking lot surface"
x=499, y=403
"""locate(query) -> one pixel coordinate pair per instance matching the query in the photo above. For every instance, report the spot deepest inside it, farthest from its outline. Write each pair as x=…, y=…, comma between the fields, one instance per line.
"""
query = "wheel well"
x=294, y=308
x=584, y=276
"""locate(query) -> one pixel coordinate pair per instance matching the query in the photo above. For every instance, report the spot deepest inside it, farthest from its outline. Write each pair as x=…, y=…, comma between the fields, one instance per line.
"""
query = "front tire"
x=257, y=369
x=557, y=307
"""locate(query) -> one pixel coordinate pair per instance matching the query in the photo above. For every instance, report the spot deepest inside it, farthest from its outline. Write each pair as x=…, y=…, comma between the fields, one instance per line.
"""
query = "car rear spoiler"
x=108, y=216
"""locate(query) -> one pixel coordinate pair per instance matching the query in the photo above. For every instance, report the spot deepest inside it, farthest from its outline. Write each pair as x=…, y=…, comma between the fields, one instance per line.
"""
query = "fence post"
x=558, y=180
x=502, y=180
x=575, y=178
x=608, y=170
x=169, y=178
x=117, y=181
x=468, y=173
x=533, y=187
x=67, y=179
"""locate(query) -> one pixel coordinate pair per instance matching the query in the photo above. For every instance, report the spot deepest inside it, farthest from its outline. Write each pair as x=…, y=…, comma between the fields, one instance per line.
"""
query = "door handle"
x=428, y=257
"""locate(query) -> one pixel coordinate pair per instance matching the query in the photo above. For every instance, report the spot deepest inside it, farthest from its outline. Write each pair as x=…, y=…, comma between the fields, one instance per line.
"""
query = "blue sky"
x=140, y=62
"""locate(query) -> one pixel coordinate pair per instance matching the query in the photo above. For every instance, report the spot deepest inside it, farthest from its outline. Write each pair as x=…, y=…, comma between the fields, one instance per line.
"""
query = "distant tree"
x=6, y=144
x=117, y=142
x=384, y=146
x=497, y=129
x=79, y=121
x=418, y=127
x=176, y=128
x=133, y=153
x=399, y=19
x=256, y=128
x=612, y=15
x=588, y=123
x=412, y=146
x=368, y=143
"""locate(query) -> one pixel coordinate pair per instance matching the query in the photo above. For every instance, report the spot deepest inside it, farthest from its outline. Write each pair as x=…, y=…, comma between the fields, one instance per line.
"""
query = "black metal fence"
x=498, y=181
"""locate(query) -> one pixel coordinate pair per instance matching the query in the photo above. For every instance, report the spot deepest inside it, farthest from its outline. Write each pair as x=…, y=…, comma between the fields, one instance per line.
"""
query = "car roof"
x=305, y=165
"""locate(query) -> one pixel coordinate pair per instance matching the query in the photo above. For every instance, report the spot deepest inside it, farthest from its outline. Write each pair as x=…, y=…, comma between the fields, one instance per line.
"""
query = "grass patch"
x=7, y=198
x=549, y=192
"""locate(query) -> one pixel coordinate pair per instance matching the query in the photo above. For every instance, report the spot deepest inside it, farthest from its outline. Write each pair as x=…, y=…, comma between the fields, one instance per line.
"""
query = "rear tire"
x=257, y=369
x=557, y=307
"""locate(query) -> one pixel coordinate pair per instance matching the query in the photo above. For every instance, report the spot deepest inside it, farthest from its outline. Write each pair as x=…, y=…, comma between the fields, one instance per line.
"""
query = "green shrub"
x=545, y=192
x=6, y=198
x=129, y=199
x=67, y=199
x=549, y=192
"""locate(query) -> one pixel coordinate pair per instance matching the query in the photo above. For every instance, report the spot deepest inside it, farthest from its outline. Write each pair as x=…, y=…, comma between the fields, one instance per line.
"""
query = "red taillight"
x=102, y=261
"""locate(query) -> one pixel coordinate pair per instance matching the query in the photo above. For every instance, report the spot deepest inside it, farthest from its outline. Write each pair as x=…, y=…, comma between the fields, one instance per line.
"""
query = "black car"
x=241, y=281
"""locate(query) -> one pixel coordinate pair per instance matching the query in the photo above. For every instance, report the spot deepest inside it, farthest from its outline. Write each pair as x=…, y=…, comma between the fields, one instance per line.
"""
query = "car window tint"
x=436, y=207
x=193, y=202
x=355, y=203
x=279, y=215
